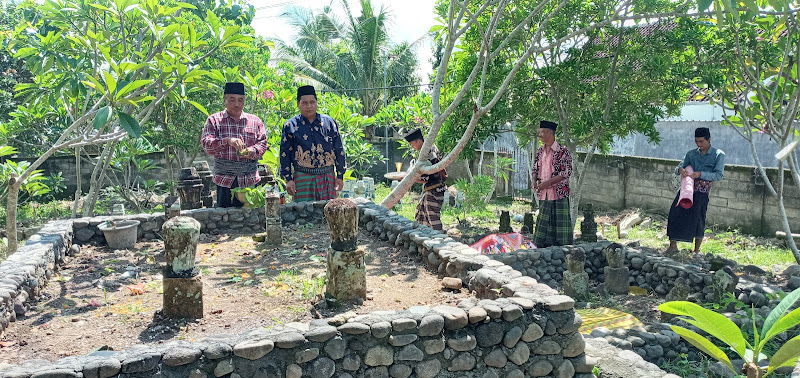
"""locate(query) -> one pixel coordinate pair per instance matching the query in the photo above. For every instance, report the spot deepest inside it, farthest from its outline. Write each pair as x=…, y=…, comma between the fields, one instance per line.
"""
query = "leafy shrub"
x=475, y=193
x=721, y=328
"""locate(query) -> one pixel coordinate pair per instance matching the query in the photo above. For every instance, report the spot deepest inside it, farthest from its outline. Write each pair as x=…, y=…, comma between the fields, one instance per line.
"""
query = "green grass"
x=730, y=244
x=744, y=249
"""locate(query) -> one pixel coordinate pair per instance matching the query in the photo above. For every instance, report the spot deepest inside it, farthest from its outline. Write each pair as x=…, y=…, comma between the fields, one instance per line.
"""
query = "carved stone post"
x=272, y=211
x=204, y=172
x=190, y=188
x=588, y=225
x=576, y=280
x=505, y=222
x=616, y=273
x=183, y=286
x=347, y=275
x=527, y=223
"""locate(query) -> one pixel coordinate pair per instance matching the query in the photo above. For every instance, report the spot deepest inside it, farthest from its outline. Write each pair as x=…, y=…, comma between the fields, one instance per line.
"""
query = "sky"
x=411, y=19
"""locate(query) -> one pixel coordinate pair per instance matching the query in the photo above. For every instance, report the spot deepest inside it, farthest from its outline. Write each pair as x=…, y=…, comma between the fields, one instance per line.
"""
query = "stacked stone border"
x=518, y=328
x=655, y=343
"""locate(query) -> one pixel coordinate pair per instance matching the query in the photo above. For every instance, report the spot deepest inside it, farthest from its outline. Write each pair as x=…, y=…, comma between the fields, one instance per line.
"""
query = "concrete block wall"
x=739, y=201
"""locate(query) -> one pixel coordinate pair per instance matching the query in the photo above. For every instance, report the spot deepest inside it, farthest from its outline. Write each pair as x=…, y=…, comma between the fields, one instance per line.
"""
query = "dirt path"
x=105, y=299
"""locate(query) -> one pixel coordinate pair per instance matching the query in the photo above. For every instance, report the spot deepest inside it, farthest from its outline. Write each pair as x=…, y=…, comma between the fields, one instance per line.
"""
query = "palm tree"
x=350, y=56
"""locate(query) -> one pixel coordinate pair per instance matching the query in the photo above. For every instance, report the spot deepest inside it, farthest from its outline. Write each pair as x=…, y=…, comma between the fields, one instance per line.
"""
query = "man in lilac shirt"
x=708, y=163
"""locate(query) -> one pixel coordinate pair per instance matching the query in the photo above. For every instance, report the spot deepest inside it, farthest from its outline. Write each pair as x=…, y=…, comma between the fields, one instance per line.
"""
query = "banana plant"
x=724, y=330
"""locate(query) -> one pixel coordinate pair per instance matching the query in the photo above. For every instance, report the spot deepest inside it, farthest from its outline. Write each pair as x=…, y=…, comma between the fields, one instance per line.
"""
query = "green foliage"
x=475, y=193
x=407, y=112
x=33, y=186
x=55, y=182
x=127, y=166
x=504, y=167
x=361, y=155
x=683, y=367
x=779, y=320
x=254, y=196
x=350, y=56
x=751, y=72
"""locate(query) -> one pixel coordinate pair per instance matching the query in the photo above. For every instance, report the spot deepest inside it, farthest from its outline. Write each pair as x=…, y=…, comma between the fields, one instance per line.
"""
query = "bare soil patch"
x=111, y=299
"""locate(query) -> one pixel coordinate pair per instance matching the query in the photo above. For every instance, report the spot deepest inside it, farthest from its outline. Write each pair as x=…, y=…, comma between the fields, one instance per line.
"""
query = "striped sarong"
x=553, y=225
x=429, y=208
x=314, y=187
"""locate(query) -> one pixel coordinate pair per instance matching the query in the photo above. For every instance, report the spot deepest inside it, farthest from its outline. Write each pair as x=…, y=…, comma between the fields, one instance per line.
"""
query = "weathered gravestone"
x=272, y=211
x=576, y=280
x=183, y=286
x=347, y=275
x=190, y=188
x=505, y=222
x=527, y=223
x=588, y=225
x=616, y=273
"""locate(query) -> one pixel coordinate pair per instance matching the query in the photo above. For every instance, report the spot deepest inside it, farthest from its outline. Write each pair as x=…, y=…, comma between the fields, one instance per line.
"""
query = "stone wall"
x=25, y=273
x=650, y=271
x=739, y=201
x=657, y=274
x=519, y=327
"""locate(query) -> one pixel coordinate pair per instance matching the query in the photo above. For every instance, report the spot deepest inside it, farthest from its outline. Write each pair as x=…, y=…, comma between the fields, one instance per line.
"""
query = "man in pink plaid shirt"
x=237, y=140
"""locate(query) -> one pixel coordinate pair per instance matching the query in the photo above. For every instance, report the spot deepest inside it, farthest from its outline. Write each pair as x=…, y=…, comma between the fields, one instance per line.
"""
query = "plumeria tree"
x=107, y=66
x=506, y=35
x=752, y=73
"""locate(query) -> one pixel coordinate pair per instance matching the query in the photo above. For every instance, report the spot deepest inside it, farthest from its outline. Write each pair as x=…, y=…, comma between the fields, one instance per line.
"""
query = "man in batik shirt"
x=708, y=164
x=429, y=208
x=312, y=153
x=237, y=140
x=552, y=167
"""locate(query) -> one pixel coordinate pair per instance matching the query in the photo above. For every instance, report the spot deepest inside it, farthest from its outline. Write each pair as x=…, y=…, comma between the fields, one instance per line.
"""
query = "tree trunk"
x=11, y=214
x=169, y=167
x=469, y=172
x=784, y=218
x=78, y=190
x=98, y=174
x=751, y=370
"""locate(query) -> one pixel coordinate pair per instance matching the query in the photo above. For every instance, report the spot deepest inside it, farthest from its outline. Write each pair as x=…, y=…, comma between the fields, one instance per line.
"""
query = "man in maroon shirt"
x=237, y=140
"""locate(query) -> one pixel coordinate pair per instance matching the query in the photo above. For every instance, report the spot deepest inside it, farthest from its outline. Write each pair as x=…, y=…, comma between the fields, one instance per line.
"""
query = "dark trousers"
x=225, y=198
x=685, y=225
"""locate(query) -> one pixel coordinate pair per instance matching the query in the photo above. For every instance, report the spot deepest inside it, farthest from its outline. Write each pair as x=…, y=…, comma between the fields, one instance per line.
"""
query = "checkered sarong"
x=429, y=208
x=314, y=187
x=553, y=225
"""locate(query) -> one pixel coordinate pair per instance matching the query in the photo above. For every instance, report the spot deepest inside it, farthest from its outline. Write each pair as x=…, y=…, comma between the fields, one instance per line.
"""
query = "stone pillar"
x=588, y=225
x=527, y=223
x=183, y=286
x=169, y=201
x=347, y=275
x=679, y=292
x=616, y=273
x=190, y=188
x=204, y=172
x=272, y=210
x=576, y=280
x=505, y=222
